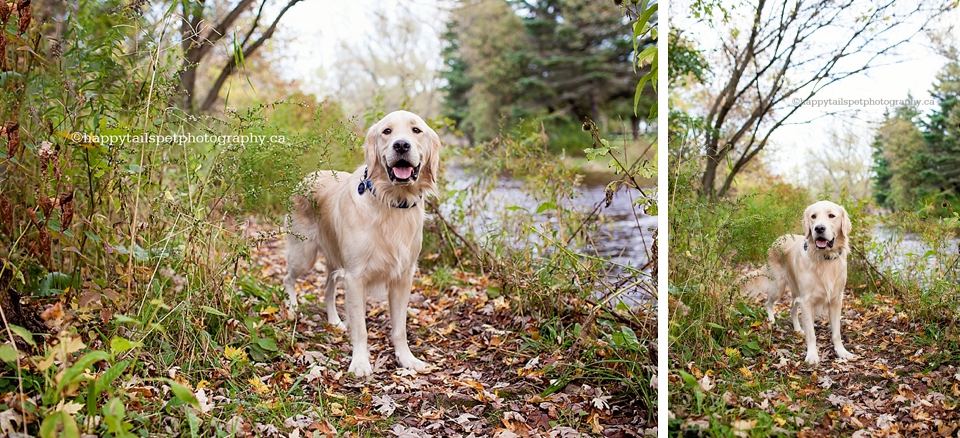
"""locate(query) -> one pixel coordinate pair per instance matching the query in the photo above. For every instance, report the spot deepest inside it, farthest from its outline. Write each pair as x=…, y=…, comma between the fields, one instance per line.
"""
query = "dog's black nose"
x=820, y=229
x=401, y=146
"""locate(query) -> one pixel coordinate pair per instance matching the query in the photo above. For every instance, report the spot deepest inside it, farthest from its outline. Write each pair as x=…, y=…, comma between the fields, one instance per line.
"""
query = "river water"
x=624, y=236
x=907, y=254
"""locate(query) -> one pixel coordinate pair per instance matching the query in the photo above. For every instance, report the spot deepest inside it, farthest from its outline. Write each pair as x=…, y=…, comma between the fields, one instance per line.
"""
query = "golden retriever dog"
x=368, y=226
x=814, y=266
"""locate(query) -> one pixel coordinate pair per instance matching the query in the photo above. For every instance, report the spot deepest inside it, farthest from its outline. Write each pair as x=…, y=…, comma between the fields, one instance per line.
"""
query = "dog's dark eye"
x=832, y=216
x=813, y=217
x=387, y=131
x=416, y=130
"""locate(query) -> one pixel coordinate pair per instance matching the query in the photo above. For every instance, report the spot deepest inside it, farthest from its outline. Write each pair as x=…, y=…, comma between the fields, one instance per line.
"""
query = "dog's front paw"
x=360, y=368
x=337, y=323
x=413, y=363
x=813, y=358
x=842, y=353
x=292, y=311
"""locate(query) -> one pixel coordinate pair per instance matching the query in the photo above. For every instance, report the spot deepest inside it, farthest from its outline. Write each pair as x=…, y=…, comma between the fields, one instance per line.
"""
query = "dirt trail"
x=898, y=384
x=483, y=381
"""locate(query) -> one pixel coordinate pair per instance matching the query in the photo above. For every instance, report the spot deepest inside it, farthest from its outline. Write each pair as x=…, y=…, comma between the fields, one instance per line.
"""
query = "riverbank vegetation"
x=139, y=285
x=733, y=373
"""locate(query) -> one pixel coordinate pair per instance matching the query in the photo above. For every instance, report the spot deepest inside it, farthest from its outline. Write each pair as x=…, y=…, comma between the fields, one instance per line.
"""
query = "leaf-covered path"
x=488, y=373
x=903, y=382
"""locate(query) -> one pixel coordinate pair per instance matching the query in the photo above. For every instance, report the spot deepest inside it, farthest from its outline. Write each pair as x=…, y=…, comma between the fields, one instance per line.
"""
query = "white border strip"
x=663, y=225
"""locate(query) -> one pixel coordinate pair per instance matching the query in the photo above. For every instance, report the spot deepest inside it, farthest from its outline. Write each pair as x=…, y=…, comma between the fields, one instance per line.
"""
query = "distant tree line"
x=917, y=157
x=559, y=60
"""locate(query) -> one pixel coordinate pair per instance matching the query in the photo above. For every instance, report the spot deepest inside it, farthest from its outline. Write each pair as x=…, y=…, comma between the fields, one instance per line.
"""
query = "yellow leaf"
x=70, y=408
x=268, y=404
x=780, y=421
x=269, y=310
x=448, y=329
x=475, y=385
x=72, y=344
x=234, y=354
x=847, y=410
x=485, y=397
x=44, y=363
x=258, y=386
x=746, y=373
x=743, y=424
x=594, y=421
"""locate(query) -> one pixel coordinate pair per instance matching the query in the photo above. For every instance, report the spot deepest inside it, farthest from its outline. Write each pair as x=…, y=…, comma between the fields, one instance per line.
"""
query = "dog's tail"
x=758, y=284
x=778, y=257
x=337, y=275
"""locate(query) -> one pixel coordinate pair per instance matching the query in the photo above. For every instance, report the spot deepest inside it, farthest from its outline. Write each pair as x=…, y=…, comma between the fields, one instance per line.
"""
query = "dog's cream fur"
x=816, y=275
x=364, y=238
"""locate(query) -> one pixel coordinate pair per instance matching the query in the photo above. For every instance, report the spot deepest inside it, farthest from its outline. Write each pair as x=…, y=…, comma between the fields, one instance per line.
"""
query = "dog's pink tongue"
x=403, y=172
x=822, y=244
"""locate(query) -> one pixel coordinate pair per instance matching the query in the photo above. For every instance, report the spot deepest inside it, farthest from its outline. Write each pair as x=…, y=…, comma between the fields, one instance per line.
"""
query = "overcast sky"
x=315, y=29
x=911, y=73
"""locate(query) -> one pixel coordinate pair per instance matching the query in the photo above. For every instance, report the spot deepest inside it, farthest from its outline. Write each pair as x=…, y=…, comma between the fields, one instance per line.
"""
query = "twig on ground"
x=875, y=270
x=481, y=255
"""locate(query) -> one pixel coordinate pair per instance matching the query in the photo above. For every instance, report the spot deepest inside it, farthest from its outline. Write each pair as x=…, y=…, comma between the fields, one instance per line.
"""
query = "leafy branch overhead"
x=646, y=56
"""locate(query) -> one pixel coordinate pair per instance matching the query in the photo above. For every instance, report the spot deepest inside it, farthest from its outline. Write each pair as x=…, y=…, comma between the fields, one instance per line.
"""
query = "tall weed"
x=121, y=241
x=537, y=249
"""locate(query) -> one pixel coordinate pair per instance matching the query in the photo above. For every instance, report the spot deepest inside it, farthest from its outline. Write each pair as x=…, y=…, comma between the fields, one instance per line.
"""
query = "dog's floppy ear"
x=432, y=165
x=806, y=223
x=846, y=227
x=371, y=153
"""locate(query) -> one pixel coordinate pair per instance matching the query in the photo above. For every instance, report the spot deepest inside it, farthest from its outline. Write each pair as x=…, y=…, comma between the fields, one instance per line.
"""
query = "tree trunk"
x=196, y=46
x=231, y=66
x=707, y=181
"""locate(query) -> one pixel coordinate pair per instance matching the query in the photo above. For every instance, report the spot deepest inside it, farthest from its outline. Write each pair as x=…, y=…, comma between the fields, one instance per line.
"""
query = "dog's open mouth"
x=403, y=172
x=823, y=243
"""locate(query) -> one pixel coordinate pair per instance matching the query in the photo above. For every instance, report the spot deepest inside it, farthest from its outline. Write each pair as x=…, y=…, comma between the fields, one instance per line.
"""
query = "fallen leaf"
x=706, y=383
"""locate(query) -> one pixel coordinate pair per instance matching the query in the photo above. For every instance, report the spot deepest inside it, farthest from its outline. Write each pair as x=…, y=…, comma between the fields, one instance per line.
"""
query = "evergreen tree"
x=899, y=159
x=564, y=59
x=579, y=56
x=456, y=92
x=942, y=134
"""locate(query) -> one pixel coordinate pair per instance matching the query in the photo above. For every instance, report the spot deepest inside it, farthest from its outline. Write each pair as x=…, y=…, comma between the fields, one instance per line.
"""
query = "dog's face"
x=402, y=148
x=824, y=223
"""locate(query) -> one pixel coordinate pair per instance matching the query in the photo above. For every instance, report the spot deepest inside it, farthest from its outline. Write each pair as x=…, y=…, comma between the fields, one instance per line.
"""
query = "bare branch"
x=785, y=55
x=231, y=65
